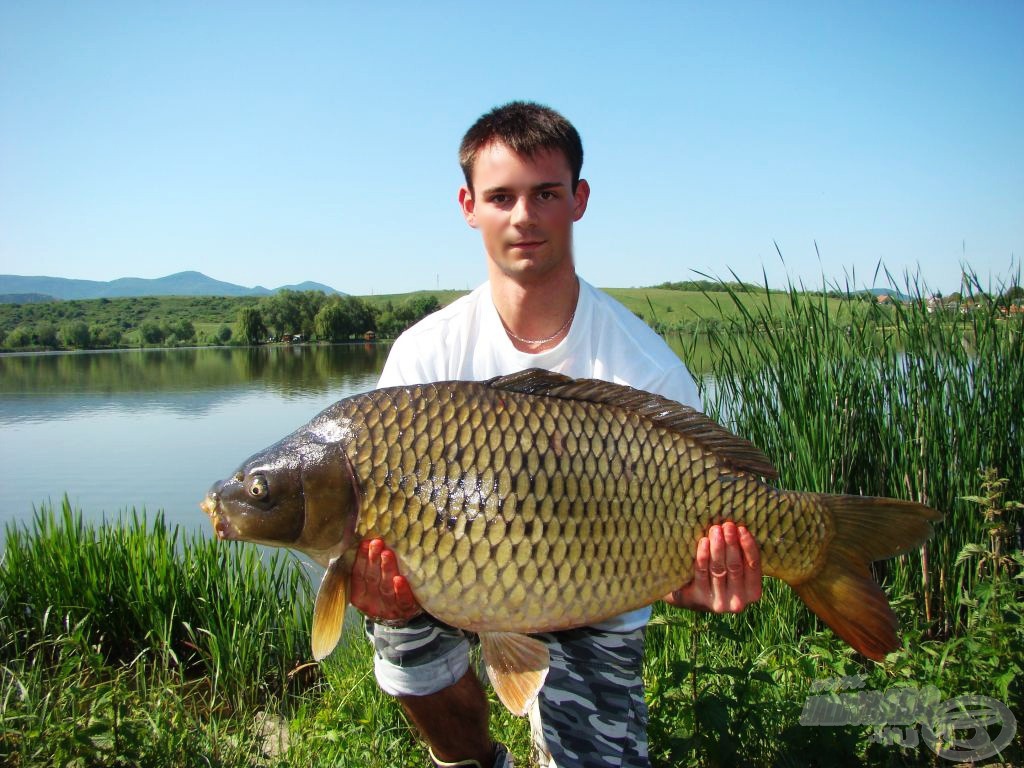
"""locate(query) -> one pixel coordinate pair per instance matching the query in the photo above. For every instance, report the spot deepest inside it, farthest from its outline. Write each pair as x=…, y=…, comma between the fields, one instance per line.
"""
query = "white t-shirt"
x=466, y=341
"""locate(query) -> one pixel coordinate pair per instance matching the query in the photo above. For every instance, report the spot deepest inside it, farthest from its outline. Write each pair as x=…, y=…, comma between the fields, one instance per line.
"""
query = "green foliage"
x=393, y=319
x=152, y=332
x=341, y=318
x=251, y=328
x=704, y=286
x=225, y=613
x=224, y=334
x=45, y=334
x=75, y=335
x=19, y=337
x=291, y=312
x=113, y=321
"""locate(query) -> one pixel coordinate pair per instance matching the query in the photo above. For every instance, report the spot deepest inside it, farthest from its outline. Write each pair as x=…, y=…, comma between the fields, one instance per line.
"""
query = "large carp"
x=535, y=502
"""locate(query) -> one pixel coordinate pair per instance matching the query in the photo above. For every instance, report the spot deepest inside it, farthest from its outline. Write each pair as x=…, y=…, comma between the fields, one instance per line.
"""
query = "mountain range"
x=19, y=289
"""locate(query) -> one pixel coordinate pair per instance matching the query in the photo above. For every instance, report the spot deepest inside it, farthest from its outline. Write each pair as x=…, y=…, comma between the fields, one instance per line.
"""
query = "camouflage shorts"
x=590, y=713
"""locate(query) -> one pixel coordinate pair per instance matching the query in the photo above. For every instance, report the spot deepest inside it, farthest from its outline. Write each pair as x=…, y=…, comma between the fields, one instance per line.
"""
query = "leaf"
x=969, y=551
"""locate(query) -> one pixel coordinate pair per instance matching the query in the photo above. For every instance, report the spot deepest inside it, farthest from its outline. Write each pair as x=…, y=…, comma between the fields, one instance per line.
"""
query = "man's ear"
x=580, y=198
x=466, y=203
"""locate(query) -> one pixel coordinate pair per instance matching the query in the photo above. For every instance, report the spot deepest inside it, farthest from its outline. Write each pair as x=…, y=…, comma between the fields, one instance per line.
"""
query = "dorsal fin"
x=738, y=453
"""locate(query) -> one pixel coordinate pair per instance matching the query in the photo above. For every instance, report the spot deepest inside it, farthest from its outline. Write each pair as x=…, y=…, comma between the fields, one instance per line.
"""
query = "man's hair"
x=526, y=128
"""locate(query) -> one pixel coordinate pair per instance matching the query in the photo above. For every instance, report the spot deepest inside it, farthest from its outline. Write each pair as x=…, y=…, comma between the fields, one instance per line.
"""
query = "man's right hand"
x=377, y=589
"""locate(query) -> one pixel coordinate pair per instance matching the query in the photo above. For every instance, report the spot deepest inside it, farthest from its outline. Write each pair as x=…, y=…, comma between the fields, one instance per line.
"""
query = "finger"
x=388, y=572
x=717, y=551
x=406, y=600
x=358, y=582
x=703, y=559
x=376, y=547
x=752, y=560
x=719, y=573
x=361, y=567
x=733, y=555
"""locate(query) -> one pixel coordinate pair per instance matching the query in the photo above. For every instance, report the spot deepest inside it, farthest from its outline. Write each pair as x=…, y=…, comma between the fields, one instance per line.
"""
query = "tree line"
x=172, y=321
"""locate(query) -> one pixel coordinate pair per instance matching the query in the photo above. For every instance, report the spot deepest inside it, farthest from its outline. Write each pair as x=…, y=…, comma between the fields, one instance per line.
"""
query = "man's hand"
x=377, y=588
x=727, y=572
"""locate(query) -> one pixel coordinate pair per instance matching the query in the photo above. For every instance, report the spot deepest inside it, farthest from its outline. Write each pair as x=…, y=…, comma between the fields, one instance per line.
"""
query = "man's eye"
x=546, y=195
x=499, y=199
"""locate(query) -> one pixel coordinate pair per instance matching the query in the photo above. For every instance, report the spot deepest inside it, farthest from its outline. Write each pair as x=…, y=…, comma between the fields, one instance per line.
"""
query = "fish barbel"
x=535, y=502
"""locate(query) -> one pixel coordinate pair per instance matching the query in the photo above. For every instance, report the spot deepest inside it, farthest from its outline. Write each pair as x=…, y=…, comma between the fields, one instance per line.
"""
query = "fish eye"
x=258, y=487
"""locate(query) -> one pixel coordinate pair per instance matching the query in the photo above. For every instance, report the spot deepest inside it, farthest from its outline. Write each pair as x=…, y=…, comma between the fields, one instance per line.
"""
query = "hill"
x=190, y=283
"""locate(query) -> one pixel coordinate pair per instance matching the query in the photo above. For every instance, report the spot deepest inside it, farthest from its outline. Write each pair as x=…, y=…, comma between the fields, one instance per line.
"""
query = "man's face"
x=524, y=209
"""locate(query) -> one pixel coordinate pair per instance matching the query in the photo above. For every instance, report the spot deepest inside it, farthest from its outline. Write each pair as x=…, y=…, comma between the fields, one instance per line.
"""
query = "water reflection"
x=189, y=382
x=154, y=428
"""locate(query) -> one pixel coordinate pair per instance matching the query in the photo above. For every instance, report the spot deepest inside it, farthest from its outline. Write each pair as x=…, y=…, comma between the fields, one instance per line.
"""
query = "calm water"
x=152, y=429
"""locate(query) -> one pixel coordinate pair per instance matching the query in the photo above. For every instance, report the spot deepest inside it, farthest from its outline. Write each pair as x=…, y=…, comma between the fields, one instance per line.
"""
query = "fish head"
x=298, y=493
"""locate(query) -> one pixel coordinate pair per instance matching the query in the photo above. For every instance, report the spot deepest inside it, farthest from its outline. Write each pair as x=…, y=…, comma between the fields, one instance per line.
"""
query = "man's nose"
x=522, y=211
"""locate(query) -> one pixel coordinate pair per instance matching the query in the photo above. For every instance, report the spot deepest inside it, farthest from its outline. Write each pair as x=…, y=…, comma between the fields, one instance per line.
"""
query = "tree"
x=183, y=330
x=332, y=323
x=76, y=335
x=46, y=335
x=224, y=334
x=290, y=311
x=152, y=332
x=20, y=337
x=105, y=335
x=251, y=327
x=1012, y=294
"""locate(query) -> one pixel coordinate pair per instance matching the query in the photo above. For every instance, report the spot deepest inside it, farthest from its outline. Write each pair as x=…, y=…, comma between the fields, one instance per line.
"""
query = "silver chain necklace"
x=535, y=342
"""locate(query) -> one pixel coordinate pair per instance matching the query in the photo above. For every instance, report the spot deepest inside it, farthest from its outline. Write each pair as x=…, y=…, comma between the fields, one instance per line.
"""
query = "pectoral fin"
x=517, y=665
x=329, y=609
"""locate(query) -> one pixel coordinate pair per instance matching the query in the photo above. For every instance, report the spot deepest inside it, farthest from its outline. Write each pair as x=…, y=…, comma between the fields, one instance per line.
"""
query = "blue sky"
x=271, y=143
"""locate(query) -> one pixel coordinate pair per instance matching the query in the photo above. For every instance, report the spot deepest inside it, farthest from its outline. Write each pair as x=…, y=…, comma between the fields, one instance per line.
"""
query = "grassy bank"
x=133, y=645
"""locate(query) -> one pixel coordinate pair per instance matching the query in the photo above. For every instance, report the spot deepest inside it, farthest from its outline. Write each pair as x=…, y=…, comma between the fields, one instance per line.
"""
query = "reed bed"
x=868, y=399
x=896, y=400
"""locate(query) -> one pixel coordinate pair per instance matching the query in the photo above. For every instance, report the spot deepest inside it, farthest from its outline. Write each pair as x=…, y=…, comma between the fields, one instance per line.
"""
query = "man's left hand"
x=727, y=572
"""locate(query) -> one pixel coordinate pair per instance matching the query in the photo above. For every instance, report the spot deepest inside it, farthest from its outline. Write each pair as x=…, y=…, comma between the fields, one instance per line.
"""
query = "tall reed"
x=900, y=400
x=229, y=616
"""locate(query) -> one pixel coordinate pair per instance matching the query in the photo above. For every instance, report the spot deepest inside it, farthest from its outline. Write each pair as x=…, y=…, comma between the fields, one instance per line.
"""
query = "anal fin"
x=517, y=665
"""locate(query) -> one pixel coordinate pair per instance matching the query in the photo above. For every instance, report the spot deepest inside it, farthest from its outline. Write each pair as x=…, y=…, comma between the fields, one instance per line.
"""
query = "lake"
x=153, y=429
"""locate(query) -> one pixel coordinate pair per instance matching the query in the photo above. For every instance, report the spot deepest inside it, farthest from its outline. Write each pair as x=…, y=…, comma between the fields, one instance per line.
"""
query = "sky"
x=273, y=143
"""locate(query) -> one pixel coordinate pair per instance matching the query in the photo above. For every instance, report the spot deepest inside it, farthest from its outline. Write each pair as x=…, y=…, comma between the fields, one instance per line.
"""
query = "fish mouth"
x=224, y=530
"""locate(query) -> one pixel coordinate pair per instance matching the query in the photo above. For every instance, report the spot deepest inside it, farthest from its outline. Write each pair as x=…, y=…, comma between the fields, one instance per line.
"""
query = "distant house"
x=369, y=336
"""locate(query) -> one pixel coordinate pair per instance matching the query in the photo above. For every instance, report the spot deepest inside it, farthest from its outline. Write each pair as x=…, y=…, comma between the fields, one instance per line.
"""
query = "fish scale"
x=535, y=502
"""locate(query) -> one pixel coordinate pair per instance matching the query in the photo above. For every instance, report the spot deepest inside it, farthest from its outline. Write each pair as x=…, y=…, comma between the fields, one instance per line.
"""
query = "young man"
x=523, y=192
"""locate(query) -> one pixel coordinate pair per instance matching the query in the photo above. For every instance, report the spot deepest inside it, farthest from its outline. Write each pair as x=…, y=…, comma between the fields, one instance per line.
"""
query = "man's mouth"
x=527, y=244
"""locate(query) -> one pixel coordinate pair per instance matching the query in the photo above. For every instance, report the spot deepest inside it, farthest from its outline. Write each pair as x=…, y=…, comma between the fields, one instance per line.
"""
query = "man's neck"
x=536, y=315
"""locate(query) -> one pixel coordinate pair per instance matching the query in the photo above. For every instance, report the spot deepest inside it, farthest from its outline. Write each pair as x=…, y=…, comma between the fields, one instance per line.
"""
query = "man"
x=523, y=192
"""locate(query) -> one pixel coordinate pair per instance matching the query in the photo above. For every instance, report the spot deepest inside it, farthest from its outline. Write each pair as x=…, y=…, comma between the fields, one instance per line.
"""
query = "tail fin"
x=842, y=593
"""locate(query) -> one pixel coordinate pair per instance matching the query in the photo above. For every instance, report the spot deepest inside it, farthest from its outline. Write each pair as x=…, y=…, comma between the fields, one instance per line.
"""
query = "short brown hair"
x=526, y=128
